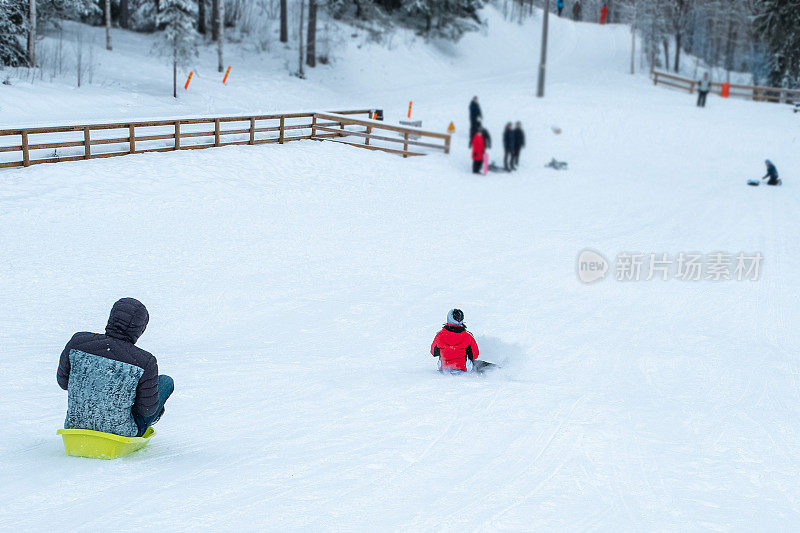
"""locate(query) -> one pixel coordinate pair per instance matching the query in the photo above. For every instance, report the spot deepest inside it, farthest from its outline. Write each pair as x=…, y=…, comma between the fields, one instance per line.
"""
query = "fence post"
x=314, y=126
x=280, y=135
x=691, y=87
x=341, y=127
x=216, y=132
x=655, y=78
x=131, y=138
x=252, y=130
x=87, y=146
x=178, y=135
x=405, y=144
x=447, y=145
x=369, y=132
x=26, y=157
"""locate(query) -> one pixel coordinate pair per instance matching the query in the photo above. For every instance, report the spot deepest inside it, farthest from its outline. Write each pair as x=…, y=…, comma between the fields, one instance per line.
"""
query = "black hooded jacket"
x=474, y=112
x=126, y=324
x=509, y=139
x=519, y=140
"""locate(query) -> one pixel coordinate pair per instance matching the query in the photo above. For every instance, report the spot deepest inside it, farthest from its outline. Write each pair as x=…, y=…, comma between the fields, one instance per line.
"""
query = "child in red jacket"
x=454, y=345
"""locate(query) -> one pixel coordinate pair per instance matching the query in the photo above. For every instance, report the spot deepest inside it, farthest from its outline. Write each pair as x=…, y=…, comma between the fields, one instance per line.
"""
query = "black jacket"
x=474, y=111
x=519, y=139
x=509, y=138
x=772, y=172
x=126, y=324
x=487, y=139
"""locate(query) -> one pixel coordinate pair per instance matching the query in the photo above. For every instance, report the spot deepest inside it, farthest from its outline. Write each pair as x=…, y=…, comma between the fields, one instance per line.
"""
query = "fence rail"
x=31, y=146
x=751, y=92
x=406, y=135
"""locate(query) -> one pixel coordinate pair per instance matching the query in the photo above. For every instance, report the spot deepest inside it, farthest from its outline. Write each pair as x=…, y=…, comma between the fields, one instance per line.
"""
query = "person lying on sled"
x=113, y=386
x=454, y=345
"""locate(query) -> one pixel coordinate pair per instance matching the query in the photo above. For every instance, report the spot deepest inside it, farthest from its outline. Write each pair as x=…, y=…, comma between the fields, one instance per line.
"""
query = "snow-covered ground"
x=294, y=291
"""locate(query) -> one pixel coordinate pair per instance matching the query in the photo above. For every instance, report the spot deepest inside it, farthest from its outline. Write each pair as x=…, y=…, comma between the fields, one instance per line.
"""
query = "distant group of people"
x=480, y=140
x=577, y=10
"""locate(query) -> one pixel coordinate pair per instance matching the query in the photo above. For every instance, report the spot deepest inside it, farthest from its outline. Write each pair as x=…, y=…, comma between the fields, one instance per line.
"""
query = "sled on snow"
x=477, y=367
x=756, y=183
x=100, y=445
x=557, y=165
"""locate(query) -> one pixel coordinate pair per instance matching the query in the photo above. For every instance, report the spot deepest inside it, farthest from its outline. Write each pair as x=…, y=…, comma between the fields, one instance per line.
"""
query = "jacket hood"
x=128, y=320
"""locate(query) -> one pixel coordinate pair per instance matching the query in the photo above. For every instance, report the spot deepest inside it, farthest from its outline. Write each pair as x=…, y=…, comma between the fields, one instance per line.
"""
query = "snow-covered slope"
x=294, y=291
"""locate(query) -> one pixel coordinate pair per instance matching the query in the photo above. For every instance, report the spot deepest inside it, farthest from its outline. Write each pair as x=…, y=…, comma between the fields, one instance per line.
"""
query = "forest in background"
x=758, y=37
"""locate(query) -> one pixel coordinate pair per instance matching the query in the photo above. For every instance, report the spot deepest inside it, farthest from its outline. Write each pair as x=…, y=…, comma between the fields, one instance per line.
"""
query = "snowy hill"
x=294, y=291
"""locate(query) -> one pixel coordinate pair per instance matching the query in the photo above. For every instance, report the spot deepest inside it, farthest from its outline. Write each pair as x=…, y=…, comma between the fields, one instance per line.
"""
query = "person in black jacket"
x=772, y=174
x=508, y=147
x=519, y=144
x=475, y=116
x=487, y=139
x=112, y=385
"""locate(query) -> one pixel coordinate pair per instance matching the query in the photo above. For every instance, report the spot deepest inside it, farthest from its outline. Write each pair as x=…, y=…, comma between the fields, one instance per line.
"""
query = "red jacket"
x=603, y=15
x=478, y=147
x=454, y=345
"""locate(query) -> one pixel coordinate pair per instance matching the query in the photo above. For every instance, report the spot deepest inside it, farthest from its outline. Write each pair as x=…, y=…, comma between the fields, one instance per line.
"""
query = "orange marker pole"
x=226, y=75
x=409, y=108
x=186, y=87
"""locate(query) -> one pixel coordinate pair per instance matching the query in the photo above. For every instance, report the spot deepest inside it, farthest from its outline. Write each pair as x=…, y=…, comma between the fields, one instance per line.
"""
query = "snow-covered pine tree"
x=447, y=19
x=179, y=38
x=12, y=31
x=778, y=22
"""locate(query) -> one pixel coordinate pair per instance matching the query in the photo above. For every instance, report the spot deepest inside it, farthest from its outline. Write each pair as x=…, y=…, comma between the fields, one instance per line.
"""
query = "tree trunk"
x=311, y=47
x=215, y=20
x=201, y=17
x=284, y=23
x=220, y=32
x=300, y=70
x=174, y=78
x=666, y=55
x=32, y=33
x=124, y=14
x=677, y=51
x=108, y=24
x=729, y=50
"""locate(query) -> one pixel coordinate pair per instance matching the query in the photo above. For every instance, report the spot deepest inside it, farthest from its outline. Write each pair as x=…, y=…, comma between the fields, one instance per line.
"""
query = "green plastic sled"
x=99, y=445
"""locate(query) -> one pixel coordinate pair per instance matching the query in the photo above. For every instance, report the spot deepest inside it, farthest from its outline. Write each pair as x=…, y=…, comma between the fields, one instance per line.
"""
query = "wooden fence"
x=751, y=92
x=89, y=141
x=405, y=135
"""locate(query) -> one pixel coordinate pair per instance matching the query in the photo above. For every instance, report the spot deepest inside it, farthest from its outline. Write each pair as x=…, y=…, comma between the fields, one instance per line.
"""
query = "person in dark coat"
x=113, y=386
x=474, y=128
x=475, y=116
x=703, y=87
x=519, y=144
x=487, y=139
x=508, y=147
x=772, y=174
x=577, y=10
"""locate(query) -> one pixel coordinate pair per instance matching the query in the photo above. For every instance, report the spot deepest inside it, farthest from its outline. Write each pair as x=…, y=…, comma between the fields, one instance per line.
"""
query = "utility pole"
x=633, y=36
x=108, y=24
x=32, y=33
x=543, y=60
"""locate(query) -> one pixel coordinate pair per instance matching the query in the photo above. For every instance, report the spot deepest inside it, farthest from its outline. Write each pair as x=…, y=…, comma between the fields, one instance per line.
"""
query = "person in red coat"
x=603, y=13
x=478, y=149
x=454, y=345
